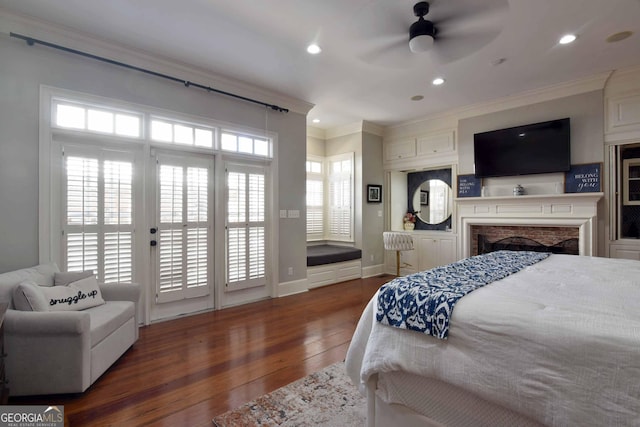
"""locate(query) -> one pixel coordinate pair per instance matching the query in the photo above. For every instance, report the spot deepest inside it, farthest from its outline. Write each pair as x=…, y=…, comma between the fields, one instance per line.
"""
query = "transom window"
x=245, y=144
x=181, y=133
x=97, y=119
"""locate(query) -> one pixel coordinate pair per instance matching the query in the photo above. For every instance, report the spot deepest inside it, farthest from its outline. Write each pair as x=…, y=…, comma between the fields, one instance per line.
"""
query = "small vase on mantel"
x=409, y=225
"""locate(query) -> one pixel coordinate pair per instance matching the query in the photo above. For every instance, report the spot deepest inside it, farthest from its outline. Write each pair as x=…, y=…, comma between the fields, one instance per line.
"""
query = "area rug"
x=325, y=398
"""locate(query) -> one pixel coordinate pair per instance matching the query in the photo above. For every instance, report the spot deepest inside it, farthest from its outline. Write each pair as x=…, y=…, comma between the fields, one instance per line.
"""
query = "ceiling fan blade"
x=457, y=38
x=389, y=54
x=379, y=34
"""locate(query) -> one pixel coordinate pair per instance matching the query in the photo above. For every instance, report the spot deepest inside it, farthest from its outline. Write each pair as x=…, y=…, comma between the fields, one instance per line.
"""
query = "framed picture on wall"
x=424, y=198
x=374, y=193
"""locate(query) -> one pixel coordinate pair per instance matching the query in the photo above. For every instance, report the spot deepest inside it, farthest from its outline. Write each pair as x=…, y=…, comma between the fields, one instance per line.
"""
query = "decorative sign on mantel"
x=585, y=178
x=469, y=186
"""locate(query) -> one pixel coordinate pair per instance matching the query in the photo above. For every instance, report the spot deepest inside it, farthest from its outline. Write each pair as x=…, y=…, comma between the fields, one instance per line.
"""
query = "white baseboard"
x=293, y=287
x=372, y=270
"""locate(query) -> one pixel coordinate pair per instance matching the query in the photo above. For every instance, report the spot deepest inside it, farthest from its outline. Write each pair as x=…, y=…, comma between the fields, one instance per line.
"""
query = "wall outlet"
x=290, y=271
x=372, y=258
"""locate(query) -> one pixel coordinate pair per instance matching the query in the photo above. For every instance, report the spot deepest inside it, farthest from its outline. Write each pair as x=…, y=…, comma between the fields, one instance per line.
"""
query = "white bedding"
x=559, y=342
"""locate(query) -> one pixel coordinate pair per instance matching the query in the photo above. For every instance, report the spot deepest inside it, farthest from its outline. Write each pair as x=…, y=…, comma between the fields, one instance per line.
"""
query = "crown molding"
x=11, y=22
x=355, y=127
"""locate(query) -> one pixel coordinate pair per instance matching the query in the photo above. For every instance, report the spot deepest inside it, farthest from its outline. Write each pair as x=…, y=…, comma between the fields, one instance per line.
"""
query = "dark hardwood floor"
x=184, y=372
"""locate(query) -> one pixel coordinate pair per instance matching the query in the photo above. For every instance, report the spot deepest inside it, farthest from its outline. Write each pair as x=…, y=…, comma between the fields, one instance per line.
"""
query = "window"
x=97, y=119
x=245, y=144
x=340, y=206
x=98, y=220
x=315, y=200
x=163, y=130
x=330, y=193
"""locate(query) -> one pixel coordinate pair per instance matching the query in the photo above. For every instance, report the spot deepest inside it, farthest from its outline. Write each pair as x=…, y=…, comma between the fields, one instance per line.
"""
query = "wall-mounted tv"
x=523, y=150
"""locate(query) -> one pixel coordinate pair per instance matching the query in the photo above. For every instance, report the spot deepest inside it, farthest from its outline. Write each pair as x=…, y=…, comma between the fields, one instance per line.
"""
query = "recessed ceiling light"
x=417, y=98
x=316, y=120
x=567, y=38
x=619, y=36
x=437, y=81
x=314, y=49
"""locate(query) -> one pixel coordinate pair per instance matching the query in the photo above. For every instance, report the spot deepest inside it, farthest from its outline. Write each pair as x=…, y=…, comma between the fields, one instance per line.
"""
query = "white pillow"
x=27, y=296
x=78, y=295
x=63, y=278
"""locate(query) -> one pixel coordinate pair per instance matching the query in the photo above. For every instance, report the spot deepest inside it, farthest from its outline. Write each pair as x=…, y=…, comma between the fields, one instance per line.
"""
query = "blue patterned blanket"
x=424, y=301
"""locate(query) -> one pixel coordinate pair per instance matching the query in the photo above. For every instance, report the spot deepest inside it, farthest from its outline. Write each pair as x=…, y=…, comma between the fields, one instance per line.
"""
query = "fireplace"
x=559, y=240
x=548, y=220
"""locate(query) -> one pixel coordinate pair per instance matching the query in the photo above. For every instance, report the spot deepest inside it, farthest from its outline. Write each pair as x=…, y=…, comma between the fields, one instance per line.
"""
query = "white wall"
x=23, y=69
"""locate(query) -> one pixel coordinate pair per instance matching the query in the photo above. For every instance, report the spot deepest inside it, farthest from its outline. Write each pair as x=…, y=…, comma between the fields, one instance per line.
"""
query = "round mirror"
x=432, y=201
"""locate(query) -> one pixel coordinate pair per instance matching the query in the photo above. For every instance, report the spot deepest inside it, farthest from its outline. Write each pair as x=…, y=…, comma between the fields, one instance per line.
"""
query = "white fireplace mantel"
x=553, y=210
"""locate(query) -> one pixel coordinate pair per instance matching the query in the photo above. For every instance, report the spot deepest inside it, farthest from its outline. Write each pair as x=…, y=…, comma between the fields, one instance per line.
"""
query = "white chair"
x=395, y=241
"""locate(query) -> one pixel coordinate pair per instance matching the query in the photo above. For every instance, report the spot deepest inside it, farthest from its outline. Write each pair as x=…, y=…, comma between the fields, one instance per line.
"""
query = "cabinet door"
x=428, y=253
x=447, y=251
x=622, y=251
x=400, y=149
x=433, y=144
x=436, y=251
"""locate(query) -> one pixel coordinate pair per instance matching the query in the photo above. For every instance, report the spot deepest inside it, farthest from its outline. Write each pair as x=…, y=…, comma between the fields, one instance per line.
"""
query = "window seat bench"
x=328, y=264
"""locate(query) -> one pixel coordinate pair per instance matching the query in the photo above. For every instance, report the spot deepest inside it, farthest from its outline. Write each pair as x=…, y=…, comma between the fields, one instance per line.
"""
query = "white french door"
x=246, y=240
x=183, y=251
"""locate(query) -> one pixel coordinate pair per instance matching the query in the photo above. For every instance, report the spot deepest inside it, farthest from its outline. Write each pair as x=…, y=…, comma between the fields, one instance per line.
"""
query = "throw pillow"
x=63, y=278
x=27, y=296
x=78, y=295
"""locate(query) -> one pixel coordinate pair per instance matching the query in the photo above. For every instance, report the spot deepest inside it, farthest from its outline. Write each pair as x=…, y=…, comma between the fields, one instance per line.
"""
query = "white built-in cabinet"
x=431, y=249
x=622, y=128
x=421, y=151
x=398, y=150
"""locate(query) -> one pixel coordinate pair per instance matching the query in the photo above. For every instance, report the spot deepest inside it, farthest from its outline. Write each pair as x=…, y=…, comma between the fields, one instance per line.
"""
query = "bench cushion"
x=328, y=254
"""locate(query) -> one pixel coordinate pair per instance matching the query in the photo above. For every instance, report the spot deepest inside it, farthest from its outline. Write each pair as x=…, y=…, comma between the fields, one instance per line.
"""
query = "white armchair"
x=50, y=352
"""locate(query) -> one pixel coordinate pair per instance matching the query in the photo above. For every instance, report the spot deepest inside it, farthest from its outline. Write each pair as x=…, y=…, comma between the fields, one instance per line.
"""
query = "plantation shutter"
x=98, y=218
x=340, y=209
x=183, y=231
x=245, y=222
x=315, y=200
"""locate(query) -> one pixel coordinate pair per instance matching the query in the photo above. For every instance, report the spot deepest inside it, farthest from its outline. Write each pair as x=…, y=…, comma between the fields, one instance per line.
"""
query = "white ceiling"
x=365, y=70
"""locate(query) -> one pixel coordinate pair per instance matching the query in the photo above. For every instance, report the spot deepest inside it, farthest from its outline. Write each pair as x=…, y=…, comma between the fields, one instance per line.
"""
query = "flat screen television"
x=523, y=150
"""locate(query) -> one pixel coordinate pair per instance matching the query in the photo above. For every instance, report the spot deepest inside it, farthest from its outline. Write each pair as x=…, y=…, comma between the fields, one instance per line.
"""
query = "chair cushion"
x=108, y=317
x=78, y=295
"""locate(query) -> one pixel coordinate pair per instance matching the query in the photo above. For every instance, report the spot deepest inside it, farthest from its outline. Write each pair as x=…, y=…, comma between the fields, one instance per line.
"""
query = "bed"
x=555, y=344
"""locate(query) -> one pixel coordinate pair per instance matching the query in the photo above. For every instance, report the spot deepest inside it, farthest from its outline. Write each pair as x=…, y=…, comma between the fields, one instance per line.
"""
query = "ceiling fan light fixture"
x=421, y=43
x=421, y=32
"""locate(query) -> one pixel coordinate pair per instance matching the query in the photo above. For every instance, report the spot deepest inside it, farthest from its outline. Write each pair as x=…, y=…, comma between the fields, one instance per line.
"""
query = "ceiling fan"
x=422, y=32
x=455, y=29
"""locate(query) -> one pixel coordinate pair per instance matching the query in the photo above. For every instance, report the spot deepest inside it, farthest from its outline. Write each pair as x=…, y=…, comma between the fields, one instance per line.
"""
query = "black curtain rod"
x=31, y=41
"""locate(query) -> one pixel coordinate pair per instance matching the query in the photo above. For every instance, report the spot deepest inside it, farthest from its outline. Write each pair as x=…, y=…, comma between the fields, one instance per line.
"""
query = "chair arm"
x=37, y=323
x=120, y=292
